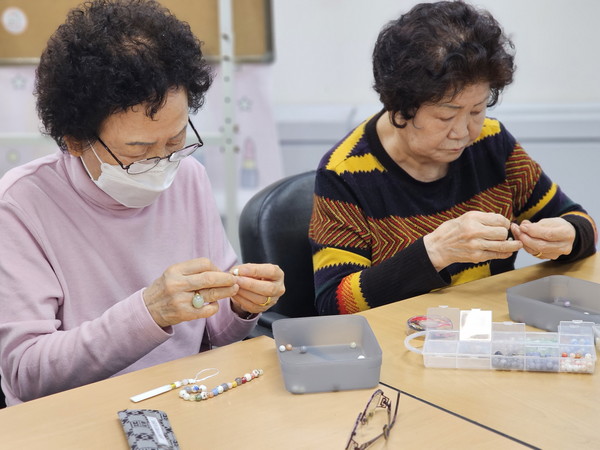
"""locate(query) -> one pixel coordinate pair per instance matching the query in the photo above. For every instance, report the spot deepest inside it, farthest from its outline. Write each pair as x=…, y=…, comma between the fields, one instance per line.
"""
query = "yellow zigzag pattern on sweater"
x=341, y=162
x=330, y=256
x=471, y=274
x=490, y=128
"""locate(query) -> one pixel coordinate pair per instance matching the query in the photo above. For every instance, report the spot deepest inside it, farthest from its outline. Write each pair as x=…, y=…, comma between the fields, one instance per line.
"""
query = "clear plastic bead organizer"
x=475, y=342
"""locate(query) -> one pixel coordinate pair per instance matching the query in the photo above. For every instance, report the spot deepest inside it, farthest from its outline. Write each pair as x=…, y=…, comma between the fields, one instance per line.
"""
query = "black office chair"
x=273, y=229
x=2, y=399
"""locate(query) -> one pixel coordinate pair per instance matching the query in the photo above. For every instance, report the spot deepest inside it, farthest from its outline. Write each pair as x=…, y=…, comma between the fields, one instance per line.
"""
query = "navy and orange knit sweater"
x=370, y=216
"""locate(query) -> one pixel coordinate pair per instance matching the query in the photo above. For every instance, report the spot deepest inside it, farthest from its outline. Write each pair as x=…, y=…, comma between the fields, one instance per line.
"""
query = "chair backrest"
x=2, y=399
x=274, y=229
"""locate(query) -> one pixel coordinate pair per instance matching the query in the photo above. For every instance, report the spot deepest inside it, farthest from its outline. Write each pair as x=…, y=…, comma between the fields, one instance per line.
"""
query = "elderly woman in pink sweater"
x=114, y=257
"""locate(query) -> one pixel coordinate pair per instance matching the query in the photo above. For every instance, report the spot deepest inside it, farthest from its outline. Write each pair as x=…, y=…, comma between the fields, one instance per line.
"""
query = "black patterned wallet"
x=148, y=429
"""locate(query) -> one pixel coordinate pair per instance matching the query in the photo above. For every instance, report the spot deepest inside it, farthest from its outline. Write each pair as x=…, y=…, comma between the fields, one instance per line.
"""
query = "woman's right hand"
x=169, y=298
x=473, y=237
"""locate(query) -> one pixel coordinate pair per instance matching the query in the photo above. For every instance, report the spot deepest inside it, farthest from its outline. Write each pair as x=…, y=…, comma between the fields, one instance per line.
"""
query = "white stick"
x=152, y=393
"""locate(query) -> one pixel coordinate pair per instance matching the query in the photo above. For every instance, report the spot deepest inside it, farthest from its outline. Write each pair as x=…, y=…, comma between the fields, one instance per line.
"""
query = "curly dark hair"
x=110, y=55
x=437, y=49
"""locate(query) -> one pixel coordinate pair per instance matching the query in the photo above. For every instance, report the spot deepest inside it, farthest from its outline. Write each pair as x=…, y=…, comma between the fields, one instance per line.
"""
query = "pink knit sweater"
x=73, y=265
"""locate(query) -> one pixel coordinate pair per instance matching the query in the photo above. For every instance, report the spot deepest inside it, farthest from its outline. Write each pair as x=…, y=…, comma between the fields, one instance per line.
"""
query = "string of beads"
x=186, y=381
x=197, y=393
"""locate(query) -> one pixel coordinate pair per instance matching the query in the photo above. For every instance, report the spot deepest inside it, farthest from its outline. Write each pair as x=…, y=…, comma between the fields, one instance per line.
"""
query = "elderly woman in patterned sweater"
x=427, y=192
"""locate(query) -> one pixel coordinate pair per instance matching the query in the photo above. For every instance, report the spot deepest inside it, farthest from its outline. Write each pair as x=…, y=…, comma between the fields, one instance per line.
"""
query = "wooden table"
x=547, y=410
x=260, y=414
x=442, y=408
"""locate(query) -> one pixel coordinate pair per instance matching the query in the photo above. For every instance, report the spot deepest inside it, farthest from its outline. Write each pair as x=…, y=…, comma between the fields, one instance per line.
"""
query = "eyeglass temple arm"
x=195, y=132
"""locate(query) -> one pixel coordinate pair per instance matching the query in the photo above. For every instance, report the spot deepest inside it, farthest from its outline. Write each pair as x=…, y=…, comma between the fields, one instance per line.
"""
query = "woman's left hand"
x=546, y=239
x=260, y=286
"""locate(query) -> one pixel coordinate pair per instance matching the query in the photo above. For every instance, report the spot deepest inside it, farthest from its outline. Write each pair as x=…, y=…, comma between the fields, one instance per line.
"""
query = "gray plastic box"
x=328, y=353
x=543, y=303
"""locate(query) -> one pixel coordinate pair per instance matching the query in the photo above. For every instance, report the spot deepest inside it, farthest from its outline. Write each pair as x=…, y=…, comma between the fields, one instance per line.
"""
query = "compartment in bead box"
x=541, y=352
x=440, y=349
x=509, y=347
x=576, y=347
x=327, y=353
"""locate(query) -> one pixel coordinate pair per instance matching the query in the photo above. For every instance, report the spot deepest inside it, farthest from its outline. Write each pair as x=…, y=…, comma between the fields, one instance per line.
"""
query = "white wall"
x=323, y=48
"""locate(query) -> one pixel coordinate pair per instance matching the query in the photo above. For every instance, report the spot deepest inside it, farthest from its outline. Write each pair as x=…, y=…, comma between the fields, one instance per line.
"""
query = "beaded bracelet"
x=196, y=393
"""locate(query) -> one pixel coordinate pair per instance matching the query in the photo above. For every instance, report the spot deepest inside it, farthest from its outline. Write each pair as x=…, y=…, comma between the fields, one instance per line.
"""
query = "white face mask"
x=135, y=191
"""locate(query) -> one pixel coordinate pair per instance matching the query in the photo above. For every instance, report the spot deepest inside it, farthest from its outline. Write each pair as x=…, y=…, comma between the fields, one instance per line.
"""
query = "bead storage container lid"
x=544, y=302
x=440, y=318
x=327, y=353
x=478, y=343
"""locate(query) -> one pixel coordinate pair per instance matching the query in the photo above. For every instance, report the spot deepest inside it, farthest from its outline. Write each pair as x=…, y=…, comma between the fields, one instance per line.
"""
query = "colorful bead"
x=288, y=347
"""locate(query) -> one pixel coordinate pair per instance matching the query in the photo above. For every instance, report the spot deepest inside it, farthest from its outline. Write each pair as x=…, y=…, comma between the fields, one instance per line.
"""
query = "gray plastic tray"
x=543, y=303
x=328, y=353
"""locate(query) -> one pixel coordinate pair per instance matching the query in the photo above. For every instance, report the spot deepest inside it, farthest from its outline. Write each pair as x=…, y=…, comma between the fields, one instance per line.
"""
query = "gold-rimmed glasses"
x=145, y=165
x=374, y=422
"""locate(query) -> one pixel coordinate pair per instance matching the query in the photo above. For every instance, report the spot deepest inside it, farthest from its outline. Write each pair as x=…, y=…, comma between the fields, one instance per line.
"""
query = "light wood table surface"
x=547, y=410
x=260, y=414
x=441, y=408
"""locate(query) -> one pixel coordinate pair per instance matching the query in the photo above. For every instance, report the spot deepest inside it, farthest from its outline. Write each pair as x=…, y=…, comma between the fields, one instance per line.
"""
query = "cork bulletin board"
x=26, y=25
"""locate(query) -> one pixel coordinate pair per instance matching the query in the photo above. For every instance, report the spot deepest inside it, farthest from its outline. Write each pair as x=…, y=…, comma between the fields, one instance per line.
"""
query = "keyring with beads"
x=174, y=385
x=197, y=393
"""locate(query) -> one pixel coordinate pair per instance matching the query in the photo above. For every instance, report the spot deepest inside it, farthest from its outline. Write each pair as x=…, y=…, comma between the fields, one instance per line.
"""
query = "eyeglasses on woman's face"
x=144, y=165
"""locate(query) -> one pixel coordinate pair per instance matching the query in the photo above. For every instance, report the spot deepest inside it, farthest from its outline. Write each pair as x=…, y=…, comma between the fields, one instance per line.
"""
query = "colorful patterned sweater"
x=370, y=216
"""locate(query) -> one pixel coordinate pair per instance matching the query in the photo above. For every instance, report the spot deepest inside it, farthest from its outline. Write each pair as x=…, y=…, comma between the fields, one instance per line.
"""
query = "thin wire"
x=208, y=376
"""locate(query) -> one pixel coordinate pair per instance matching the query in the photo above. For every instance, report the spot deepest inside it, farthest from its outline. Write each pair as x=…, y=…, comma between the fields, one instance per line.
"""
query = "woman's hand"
x=169, y=298
x=546, y=239
x=260, y=286
x=473, y=237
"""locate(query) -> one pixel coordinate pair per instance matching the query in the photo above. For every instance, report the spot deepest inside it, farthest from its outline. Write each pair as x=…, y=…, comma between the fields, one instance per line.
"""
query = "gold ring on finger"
x=266, y=303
